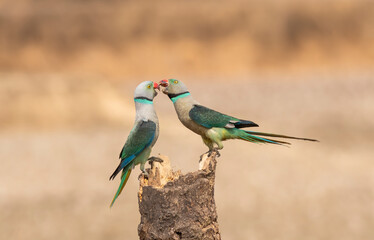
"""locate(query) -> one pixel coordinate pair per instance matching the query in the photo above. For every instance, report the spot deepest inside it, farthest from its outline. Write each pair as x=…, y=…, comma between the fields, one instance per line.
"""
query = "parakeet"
x=214, y=127
x=142, y=137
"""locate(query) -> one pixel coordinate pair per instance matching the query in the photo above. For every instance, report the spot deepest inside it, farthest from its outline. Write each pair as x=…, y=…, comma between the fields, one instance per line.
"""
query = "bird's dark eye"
x=149, y=86
x=175, y=81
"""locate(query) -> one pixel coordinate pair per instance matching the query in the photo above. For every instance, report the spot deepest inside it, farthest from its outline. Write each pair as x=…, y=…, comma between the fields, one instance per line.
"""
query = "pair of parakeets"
x=212, y=126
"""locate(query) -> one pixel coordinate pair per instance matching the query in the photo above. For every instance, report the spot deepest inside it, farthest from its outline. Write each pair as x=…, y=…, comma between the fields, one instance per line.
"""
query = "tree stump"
x=178, y=206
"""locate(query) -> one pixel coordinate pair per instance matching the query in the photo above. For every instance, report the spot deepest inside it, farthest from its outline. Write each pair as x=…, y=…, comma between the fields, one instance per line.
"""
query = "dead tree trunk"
x=178, y=206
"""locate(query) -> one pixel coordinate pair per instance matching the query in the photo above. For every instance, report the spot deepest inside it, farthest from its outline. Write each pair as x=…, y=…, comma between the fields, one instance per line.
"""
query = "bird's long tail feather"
x=125, y=176
x=278, y=136
x=255, y=139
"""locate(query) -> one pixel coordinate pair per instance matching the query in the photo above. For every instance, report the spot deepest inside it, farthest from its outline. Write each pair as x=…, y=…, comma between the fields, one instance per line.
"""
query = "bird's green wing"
x=140, y=137
x=209, y=118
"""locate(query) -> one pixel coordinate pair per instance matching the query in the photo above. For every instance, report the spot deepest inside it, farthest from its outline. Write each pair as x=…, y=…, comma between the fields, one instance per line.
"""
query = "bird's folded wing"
x=140, y=137
x=209, y=118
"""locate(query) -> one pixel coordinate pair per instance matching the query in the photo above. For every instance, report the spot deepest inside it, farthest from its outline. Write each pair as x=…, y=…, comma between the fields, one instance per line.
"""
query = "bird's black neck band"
x=144, y=98
x=172, y=95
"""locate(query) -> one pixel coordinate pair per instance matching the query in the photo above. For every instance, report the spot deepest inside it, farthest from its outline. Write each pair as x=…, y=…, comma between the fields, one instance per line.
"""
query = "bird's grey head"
x=145, y=92
x=174, y=88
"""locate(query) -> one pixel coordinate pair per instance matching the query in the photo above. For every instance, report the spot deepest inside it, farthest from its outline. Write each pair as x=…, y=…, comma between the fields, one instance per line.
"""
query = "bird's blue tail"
x=245, y=135
x=255, y=137
x=125, y=176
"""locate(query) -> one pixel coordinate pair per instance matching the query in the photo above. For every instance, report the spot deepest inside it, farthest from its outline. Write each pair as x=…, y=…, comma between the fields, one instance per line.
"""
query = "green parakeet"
x=142, y=137
x=214, y=127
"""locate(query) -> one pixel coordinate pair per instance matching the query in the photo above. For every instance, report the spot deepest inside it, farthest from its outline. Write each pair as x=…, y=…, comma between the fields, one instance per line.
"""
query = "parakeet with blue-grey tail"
x=142, y=137
x=214, y=127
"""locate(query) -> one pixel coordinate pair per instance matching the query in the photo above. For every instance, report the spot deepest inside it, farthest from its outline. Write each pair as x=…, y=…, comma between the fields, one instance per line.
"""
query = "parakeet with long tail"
x=214, y=127
x=142, y=137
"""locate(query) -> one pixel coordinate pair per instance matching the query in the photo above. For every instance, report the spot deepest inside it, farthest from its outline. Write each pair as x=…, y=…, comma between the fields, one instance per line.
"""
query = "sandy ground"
x=54, y=172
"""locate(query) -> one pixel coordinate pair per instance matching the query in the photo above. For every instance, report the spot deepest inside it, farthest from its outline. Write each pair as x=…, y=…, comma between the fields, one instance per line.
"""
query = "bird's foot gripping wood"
x=214, y=150
x=144, y=174
x=159, y=174
x=151, y=161
x=210, y=152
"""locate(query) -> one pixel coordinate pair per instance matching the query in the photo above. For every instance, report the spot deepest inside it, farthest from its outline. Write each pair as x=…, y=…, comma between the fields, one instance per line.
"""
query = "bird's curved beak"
x=164, y=83
x=156, y=86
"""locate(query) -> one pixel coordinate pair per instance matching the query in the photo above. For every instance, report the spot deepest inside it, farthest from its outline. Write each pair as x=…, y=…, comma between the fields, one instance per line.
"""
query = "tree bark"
x=178, y=206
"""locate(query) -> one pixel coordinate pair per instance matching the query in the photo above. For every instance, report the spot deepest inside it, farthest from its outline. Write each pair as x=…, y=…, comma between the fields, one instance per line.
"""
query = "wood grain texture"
x=178, y=206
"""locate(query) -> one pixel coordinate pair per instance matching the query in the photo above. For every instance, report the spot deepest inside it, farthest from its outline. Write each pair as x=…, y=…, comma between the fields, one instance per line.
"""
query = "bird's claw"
x=210, y=152
x=218, y=154
x=214, y=150
x=145, y=174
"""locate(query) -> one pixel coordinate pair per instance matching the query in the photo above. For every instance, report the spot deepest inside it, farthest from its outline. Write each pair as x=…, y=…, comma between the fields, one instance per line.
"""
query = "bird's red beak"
x=156, y=86
x=164, y=83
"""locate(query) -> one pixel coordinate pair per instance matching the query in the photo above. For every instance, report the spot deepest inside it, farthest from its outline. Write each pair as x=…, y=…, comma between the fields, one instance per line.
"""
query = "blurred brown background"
x=68, y=69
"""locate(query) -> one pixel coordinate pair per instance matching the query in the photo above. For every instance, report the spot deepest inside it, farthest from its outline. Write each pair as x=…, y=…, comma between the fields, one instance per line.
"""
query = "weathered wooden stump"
x=178, y=206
